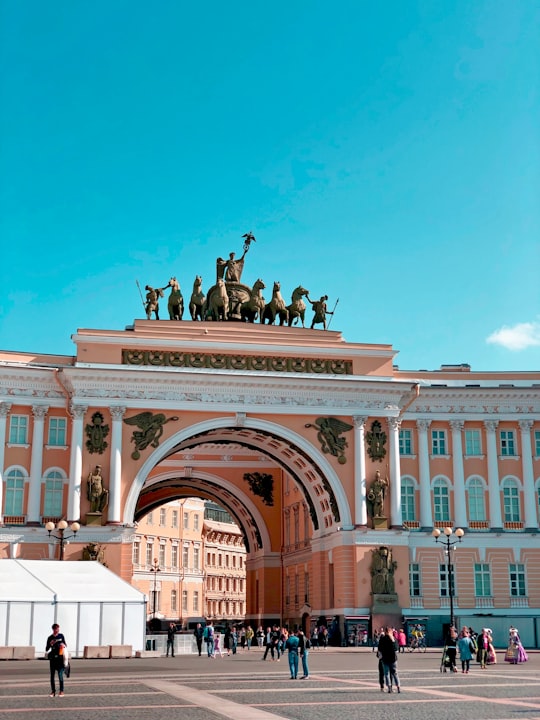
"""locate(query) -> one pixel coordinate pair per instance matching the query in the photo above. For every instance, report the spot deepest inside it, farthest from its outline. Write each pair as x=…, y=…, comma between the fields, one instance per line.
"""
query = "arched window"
x=54, y=487
x=408, y=506
x=512, y=510
x=476, y=500
x=441, y=500
x=13, y=503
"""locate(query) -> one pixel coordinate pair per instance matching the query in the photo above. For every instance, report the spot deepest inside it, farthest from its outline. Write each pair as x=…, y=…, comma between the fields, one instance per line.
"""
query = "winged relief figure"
x=151, y=429
x=329, y=431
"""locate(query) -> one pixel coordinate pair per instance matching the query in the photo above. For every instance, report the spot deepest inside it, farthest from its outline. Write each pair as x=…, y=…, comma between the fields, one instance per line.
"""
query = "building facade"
x=288, y=430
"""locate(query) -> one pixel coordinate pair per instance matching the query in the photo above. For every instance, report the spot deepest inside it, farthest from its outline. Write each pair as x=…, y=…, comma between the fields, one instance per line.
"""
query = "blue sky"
x=386, y=154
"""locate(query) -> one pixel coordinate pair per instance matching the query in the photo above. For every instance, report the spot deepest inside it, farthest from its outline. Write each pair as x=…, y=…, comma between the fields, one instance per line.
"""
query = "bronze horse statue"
x=254, y=307
x=176, y=300
x=217, y=307
x=196, y=303
x=297, y=308
x=275, y=308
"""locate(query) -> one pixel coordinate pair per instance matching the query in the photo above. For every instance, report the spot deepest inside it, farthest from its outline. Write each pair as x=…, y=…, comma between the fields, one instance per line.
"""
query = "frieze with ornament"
x=256, y=363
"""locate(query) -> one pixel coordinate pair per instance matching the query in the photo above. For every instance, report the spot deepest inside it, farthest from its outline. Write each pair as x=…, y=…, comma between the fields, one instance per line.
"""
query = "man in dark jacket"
x=388, y=654
x=171, y=630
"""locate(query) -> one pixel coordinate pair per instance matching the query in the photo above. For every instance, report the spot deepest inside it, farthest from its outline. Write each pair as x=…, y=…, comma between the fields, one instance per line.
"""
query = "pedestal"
x=380, y=523
x=94, y=518
x=386, y=611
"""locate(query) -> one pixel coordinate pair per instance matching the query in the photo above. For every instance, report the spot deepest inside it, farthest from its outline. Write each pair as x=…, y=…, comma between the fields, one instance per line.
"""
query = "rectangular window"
x=13, y=504
x=408, y=510
x=195, y=521
x=149, y=554
x=150, y=518
x=136, y=553
x=184, y=600
x=18, y=430
x=174, y=557
x=482, y=580
x=162, y=517
x=405, y=442
x=537, y=443
x=174, y=519
x=54, y=492
x=511, y=504
x=161, y=559
x=185, y=556
x=508, y=447
x=473, y=445
x=517, y=580
x=443, y=580
x=173, y=600
x=186, y=520
x=196, y=601
x=438, y=442
x=306, y=587
x=415, y=589
x=57, y=431
x=441, y=503
x=196, y=558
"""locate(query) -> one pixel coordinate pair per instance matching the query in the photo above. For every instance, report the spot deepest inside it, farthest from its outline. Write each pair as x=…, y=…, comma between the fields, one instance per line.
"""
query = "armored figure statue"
x=382, y=572
x=377, y=494
x=96, y=492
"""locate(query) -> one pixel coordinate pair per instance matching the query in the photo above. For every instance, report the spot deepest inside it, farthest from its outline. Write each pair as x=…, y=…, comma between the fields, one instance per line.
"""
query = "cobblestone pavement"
x=342, y=683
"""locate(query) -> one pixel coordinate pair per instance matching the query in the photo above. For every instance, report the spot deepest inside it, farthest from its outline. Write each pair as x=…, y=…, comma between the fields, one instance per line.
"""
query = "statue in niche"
x=376, y=495
x=376, y=442
x=96, y=493
x=382, y=572
x=96, y=434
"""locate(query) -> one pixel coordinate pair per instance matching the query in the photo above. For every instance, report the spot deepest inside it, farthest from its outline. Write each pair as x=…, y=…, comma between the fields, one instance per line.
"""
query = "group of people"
x=280, y=640
x=472, y=645
x=400, y=637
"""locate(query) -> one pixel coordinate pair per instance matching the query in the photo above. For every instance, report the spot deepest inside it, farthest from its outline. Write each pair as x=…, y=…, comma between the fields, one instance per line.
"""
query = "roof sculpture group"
x=231, y=300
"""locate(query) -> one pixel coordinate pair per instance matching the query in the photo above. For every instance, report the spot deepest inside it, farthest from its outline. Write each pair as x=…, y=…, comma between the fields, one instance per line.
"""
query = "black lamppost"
x=448, y=545
x=61, y=527
x=154, y=569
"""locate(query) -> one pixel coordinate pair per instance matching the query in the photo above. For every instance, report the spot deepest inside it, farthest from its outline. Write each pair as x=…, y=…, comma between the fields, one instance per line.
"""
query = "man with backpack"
x=208, y=636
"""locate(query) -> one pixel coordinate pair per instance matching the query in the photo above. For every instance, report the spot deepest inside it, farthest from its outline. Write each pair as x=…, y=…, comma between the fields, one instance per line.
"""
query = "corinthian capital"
x=394, y=424
x=423, y=424
x=359, y=421
x=457, y=425
x=491, y=425
x=526, y=425
x=77, y=411
x=117, y=412
x=39, y=411
x=4, y=409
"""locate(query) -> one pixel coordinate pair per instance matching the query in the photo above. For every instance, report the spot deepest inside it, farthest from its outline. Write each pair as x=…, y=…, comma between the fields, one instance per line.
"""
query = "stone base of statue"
x=94, y=518
x=380, y=523
x=386, y=611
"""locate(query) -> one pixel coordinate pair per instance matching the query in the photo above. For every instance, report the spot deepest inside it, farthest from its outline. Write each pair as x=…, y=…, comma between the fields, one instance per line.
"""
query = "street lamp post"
x=448, y=544
x=154, y=569
x=62, y=538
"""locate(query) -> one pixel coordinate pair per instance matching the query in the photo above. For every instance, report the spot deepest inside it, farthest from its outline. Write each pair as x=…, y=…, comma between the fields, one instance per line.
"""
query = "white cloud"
x=517, y=337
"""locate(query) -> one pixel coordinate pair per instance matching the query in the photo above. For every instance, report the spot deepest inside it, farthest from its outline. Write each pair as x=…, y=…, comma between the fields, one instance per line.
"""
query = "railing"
x=14, y=519
x=445, y=602
x=443, y=523
x=519, y=602
x=513, y=526
x=411, y=524
x=484, y=602
x=478, y=525
x=417, y=601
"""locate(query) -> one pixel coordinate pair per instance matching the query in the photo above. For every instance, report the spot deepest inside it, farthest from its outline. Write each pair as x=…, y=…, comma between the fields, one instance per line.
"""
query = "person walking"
x=482, y=642
x=56, y=643
x=304, y=646
x=198, y=633
x=402, y=640
x=466, y=649
x=268, y=643
x=451, y=648
x=388, y=652
x=208, y=637
x=292, y=644
x=171, y=630
x=249, y=636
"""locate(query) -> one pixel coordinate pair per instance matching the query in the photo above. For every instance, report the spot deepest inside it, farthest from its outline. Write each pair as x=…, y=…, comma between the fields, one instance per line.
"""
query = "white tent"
x=92, y=605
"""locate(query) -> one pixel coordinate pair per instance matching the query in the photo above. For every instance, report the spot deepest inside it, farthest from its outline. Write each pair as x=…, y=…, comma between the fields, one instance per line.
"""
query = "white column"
x=115, y=483
x=495, y=514
x=75, y=462
x=529, y=495
x=426, y=512
x=360, y=505
x=396, y=519
x=36, y=465
x=460, y=503
x=4, y=411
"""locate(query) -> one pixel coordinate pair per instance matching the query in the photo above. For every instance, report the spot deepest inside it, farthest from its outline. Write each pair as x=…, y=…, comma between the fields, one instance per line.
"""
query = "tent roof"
x=45, y=580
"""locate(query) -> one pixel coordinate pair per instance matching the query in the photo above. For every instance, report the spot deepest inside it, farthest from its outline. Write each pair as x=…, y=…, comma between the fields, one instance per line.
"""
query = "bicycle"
x=417, y=643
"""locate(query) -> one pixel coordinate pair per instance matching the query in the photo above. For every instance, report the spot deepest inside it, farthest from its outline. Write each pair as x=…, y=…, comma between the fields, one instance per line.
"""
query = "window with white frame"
x=444, y=580
x=13, y=501
x=508, y=447
x=57, y=431
x=186, y=520
x=476, y=500
x=149, y=553
x=517, y=580
x=184, y=600
x=174, y=557
x=162, y=517
x=196, y=601
x=174, y=519
x=195, y=521
x=136, y=552
x=441, y=500
x=197, y=557
x=185, y=556
x=405, y=442
x=438, y=442
x=415, y=587
x=537, y=443
x=173, y=600
x=512, y=510
x=161, y=558
x=18, y=429
x=54, y=494
x=482, y=580
x=408, y=509
x=473, y=442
